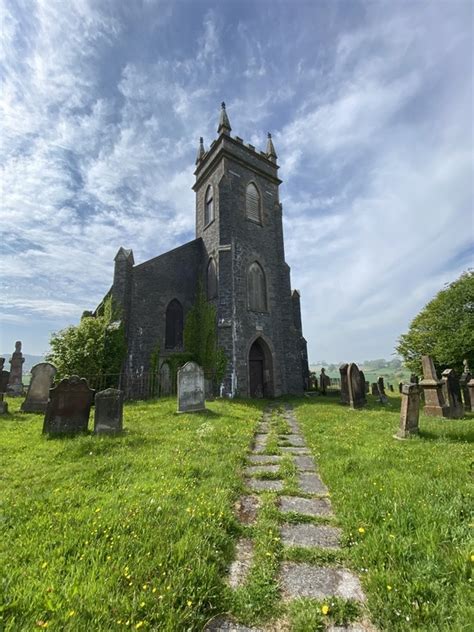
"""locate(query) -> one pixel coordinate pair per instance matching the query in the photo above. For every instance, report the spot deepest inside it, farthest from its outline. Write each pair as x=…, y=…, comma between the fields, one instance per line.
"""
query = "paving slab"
x=319, y=507
x=311, y=535
x=294, y=440
x=221, y=624
x=246, y=509
x=293, y=450
x=352, y=627
x=305, y=463
x=311, y=483
x=264, y=486
x=260, y=441
x=261, y=469
x=319, y=582
x=264, y=458
x=240, y=567
x=263, y=428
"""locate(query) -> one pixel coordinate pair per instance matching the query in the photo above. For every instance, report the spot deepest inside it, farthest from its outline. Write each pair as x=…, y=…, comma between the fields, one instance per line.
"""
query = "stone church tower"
x=238, y=254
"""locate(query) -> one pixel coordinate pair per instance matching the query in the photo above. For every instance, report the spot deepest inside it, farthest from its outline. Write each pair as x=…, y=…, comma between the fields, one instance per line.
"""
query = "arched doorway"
x=260, y=370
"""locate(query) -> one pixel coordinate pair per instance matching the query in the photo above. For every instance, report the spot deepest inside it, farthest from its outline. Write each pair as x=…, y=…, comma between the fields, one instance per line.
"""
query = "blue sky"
x=370, y=107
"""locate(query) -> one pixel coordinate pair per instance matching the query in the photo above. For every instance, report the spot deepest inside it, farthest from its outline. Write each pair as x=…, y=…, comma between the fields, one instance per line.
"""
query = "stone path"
x=296, y=579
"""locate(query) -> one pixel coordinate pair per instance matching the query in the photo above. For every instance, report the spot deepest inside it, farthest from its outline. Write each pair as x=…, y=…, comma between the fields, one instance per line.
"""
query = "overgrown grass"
x=404, y=507
x=124, y=532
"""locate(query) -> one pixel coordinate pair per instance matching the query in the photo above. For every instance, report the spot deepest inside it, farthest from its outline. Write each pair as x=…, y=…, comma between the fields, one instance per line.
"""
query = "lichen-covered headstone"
x=42, y=376
x=409, y=411
x=15, y=382
x=356, y=386
x=190, y=388
x=68, y=407
x=435, y=405
x=344, y=383
x=453, y=390
x=464, y=382
x=108, y=414
x=165, y=380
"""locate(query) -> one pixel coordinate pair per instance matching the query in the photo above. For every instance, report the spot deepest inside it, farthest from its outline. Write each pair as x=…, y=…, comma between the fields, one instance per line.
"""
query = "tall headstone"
x=356, y=386
x=435, y=405
x=165, y=380
x=453, y=390
x=400, y=385
x=375, y=389
x=324, y=382
x=42, y=376
x=381, y=385
x=15, y=382
x=344, y=383
x=390, y=386
x=409, y=411
x=4, y=376
x=108, y=413
x=414, y=379
x=190, y=388
x=470, y=386
x=464, y=383
x=68, y=407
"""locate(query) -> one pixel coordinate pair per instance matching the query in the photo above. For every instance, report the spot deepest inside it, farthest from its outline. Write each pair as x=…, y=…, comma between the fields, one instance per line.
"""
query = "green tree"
x=444, y=329
x=95, y=347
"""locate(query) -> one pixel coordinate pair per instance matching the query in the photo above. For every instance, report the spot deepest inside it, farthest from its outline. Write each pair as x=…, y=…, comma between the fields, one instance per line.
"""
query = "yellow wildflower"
x=189, y=602
x=139, y=625
x=71, y=613
x=389, y=587
x=325, y=609
x=361, y=530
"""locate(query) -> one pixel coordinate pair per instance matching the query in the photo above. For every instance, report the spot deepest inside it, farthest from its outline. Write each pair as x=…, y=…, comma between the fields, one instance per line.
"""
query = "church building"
x=238, y=255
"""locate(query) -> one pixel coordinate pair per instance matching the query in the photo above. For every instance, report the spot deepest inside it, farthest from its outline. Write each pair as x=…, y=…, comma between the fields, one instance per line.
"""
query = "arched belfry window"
x=211, y=279
x=208, y=206
x=252, y=203
x=174, y=325
x=257, y=288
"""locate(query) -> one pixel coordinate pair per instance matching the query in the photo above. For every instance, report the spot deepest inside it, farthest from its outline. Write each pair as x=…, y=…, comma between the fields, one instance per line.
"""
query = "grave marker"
x=190, y=388
x=15, y=382
x=68, y=407
x=435, y=405
x=108, y=414
x=165, y=380
x=453, y=391
x=356, y=386
x=42, y=376
x=344, y=384
x=409, y=411
x=464, y=383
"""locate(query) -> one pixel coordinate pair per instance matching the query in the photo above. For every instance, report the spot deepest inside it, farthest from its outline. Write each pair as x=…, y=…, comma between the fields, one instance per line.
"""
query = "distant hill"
x=30, y=361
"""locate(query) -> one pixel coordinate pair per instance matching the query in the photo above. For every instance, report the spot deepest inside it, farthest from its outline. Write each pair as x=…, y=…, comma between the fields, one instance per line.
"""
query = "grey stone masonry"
x=305, y=580
x=310, y=535
x=318, y=507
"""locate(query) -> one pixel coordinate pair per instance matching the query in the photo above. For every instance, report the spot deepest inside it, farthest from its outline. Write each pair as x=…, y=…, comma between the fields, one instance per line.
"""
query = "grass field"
x=137, y=531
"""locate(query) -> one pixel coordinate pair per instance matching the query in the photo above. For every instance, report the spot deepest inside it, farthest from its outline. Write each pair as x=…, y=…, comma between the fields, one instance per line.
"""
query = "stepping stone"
x=293, y=439
x=263, y=428
x=311, y=483
x=222, y=624
x=260, y=442
x=311, y=535
x=293, y=450
x=352, y=627
x=240, y=567
x=263, y=458
x=261, y=469
x=316, y=582
x=264, y=486
x=305, y=463
x=246, y=509
x=320, y=507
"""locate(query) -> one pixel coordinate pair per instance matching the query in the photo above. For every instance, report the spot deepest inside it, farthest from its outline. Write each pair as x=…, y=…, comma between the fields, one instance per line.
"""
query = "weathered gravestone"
x=464, y=382
x=68, y=407
x=190, y=388
x=435, y=405
x=453, y=394
x=470, y=386
x=324, y=382
x=42, y=376
x=344, y=384
x=400, y=385
x=414, y=378
x=409, y=411
x=375, y=389
x=15, y=382
x=165, y=380
x=390, y=386
x=381, y=385
x=108, y=414
x=4, y=376
x=356, y=386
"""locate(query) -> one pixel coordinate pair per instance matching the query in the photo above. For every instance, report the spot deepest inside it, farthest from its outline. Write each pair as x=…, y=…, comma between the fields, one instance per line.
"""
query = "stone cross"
x=165, y=380
x=356, y=386
x=453, y=390
x=464, y=383
x=15, y=383
x=344, y=384
x=42, y=376
x=190, y=388
x=409, y=411
x=435, y=405
x=68, y=407
x=108, y=414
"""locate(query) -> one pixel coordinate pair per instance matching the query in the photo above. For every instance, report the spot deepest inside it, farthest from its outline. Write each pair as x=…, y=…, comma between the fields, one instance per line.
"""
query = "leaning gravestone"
x=453, y=390
x=463, y=382
x=15, y=383
x=42, y=376
x=190, y=388
x=108, y=414
x=68, y=407
x=409, y=411
x=435, y=405
x=165, y=380
x=356, y=386
x=344, y=384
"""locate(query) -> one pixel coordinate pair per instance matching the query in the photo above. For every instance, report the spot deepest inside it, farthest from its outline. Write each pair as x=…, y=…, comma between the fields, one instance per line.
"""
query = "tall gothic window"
x=257, y=288
x=174, y=325
x=211, y=279
x=208, y=206
x=252, y=203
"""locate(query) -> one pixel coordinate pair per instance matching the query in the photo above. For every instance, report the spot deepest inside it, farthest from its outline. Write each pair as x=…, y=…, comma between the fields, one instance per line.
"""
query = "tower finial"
x=201, y=151
x=224, y=124
x=271, y=153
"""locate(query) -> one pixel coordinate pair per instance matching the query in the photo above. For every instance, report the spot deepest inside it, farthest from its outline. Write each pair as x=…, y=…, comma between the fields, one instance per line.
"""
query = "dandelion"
x=142, y=604
x=325, y=609
x=44, y=564
x=139, y=625
x=361, y=530
x=189, y=602
x=71, y=613
x=472, y=558
x=154, y=590
x=389, y=587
